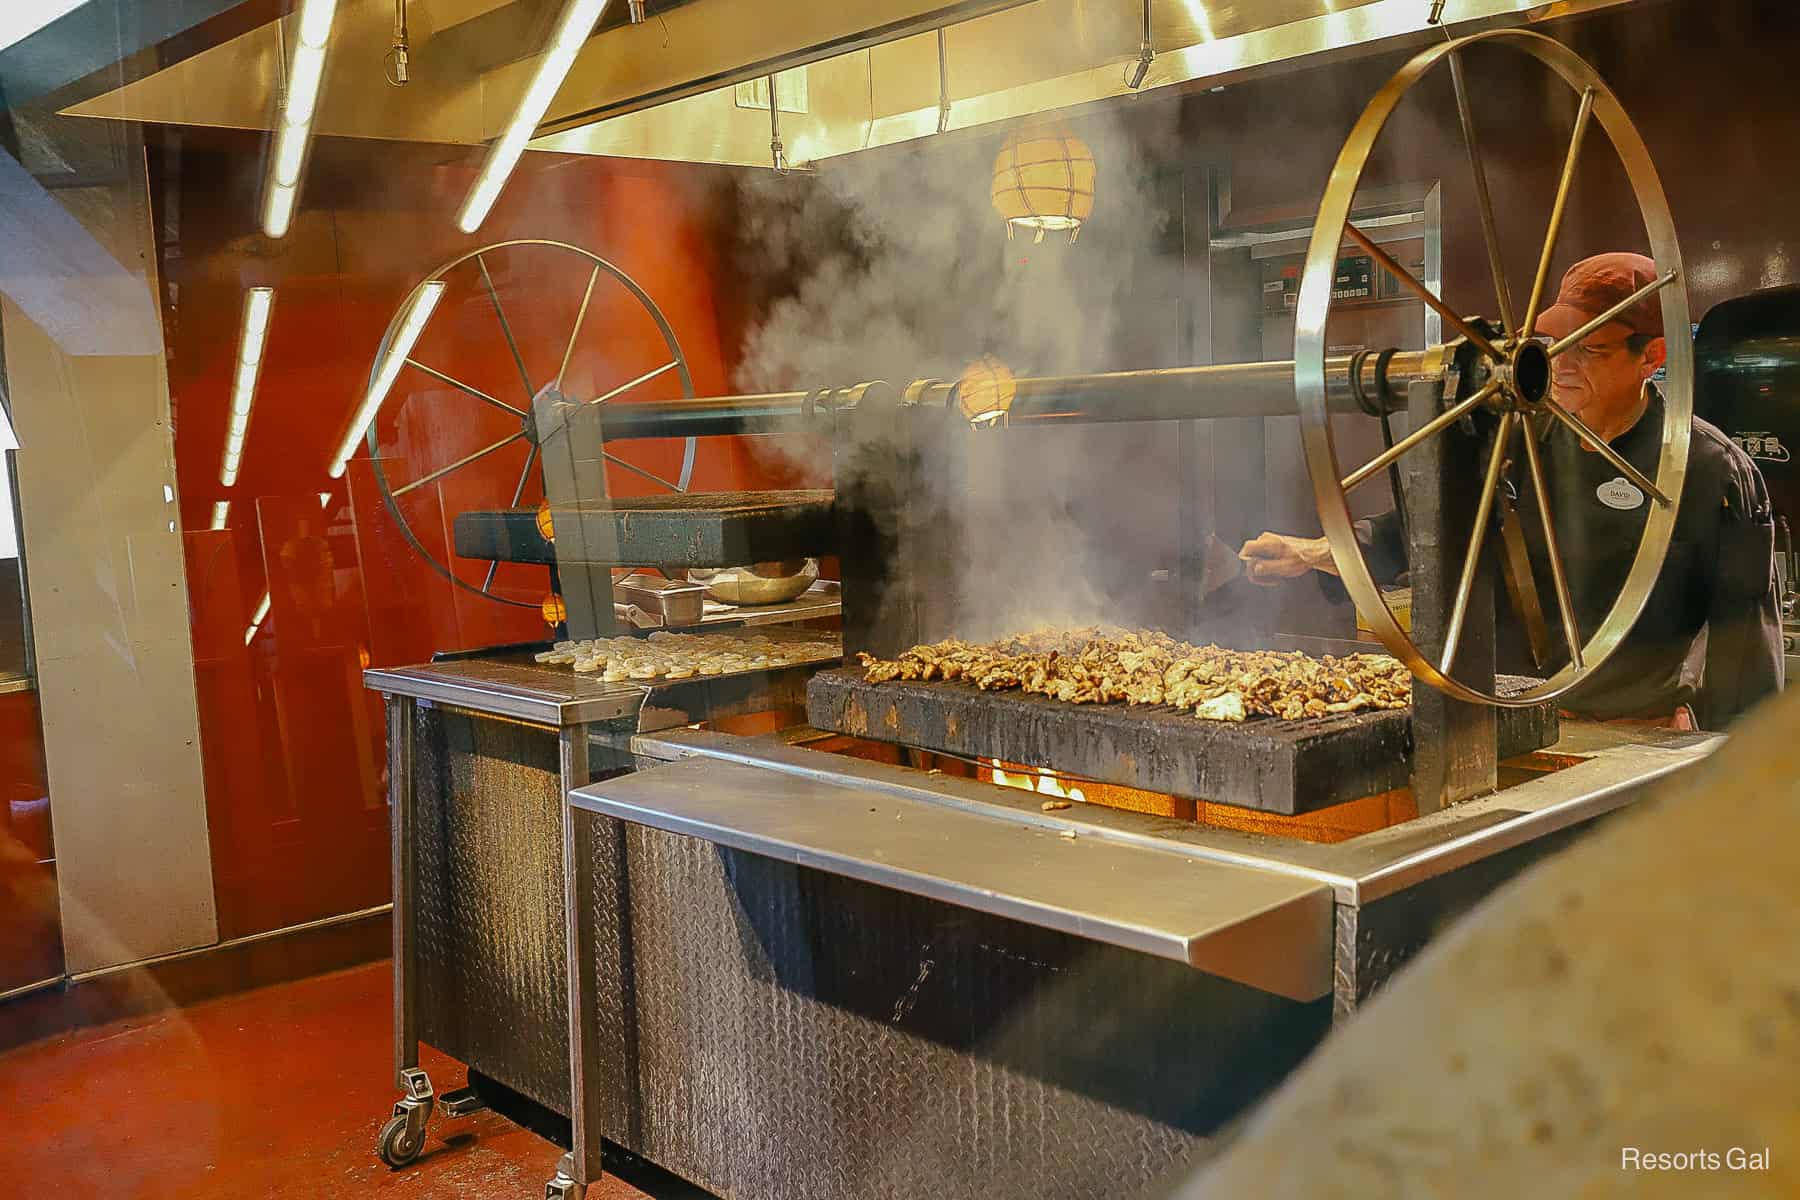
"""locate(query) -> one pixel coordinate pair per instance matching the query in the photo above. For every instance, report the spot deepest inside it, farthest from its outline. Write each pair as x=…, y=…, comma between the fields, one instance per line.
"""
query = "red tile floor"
x=272, y=1093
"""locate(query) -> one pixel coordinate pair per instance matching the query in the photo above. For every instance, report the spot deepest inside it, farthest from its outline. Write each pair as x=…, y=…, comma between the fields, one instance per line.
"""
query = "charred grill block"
x=1286, y=767
x=694, y=529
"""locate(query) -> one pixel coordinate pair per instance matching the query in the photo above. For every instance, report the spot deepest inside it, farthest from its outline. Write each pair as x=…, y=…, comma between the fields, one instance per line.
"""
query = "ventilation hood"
x=691, y=81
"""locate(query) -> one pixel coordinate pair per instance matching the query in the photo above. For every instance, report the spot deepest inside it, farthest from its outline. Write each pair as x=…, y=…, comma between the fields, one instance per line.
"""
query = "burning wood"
x=1095, y=666
x=1047, y=783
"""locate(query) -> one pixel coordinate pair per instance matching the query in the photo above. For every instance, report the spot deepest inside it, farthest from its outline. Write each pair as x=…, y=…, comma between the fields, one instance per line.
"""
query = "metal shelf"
x=822, y=599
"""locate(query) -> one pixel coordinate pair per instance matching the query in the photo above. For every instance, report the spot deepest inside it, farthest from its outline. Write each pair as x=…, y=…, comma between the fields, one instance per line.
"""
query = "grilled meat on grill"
x=1095, y=666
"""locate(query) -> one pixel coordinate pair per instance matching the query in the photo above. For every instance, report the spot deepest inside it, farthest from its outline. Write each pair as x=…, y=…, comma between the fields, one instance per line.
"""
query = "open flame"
x=1047, y=783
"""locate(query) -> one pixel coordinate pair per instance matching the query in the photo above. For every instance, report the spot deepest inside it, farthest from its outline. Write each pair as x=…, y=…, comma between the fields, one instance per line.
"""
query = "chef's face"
x=1602, y=376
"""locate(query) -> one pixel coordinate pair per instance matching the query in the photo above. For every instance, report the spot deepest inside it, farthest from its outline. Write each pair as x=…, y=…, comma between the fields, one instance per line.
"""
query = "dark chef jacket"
x=1710, y=634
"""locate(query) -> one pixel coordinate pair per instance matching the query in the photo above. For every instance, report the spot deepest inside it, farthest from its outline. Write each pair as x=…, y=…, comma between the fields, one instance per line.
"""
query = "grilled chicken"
x=1096, y=666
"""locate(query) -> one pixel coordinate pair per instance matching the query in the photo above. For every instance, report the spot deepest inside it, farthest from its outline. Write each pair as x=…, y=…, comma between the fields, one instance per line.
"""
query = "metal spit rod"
x=1264, y=389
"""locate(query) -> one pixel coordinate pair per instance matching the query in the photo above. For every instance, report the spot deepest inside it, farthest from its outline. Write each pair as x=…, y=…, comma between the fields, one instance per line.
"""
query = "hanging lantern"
x=555, y=613
x=985, y=391
x=1044, y=180
x=546, y=527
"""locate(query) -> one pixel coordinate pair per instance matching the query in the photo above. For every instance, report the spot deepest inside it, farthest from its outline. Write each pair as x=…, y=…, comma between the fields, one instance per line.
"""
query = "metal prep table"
x=805, y=975
x=482, y=753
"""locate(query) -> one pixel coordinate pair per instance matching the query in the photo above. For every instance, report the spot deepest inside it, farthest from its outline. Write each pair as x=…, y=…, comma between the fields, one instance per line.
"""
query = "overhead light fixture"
x=257, y=303
x=306, y=67
x=986, y=390
x=220, y=509
x=424, y=300
x=571, y=32
x=20, y=21
x=1044, y=180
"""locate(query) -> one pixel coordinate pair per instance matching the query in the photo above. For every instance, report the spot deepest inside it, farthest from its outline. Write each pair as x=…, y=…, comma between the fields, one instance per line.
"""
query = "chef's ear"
x=1656, y=352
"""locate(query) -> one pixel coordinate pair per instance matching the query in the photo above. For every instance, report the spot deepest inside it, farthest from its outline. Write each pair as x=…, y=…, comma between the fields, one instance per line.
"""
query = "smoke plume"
x=898, y=268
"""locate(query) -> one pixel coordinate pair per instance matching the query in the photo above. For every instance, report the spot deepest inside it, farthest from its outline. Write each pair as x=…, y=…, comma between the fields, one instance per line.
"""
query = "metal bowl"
x=756, y=585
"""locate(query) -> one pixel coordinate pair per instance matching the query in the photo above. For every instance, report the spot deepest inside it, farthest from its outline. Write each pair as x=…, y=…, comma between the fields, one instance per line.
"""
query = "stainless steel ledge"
x=1619, y=768
x=1267, y=929
x=522, y=690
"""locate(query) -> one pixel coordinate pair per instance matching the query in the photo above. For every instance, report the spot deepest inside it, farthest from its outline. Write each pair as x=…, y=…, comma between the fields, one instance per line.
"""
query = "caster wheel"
x=395, y=1147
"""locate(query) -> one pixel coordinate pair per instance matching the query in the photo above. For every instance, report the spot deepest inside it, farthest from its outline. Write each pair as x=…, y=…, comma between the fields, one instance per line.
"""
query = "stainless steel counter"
x=513, y=686
x=1268, y=929
x=1251, y=907
x=1617, y=764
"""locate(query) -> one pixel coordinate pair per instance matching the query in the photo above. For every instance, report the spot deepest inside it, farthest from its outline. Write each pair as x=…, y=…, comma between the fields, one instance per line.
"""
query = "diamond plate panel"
x=1375, y=940
x=492, y=968
x=613, y=1040
x=785, y=1034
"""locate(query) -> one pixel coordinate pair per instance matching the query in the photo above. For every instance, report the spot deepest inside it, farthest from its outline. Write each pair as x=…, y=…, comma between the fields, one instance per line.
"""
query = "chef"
x=1708, y=645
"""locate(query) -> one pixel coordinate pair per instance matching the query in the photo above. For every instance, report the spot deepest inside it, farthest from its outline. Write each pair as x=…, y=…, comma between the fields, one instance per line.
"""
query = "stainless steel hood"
x=690, y=82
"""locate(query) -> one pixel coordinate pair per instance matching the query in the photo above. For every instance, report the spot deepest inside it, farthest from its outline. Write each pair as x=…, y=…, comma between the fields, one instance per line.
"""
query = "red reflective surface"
x=274, y=1093
x=30, y=927
x=293, y=745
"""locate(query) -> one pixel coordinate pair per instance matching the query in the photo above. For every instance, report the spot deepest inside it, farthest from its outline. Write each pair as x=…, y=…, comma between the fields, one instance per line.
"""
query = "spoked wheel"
x=1516, y=364
x=550, y=261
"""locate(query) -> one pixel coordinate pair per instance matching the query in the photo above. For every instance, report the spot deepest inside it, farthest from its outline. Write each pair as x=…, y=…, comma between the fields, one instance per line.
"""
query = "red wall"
x=30, y=924
x=293, y=745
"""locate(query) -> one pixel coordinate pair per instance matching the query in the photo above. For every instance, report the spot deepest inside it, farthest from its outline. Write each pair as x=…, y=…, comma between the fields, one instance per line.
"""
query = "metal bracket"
x=463, y=1102
x=1146, y=55
x=417, y=1104
x=943, y=122
x=562, y=1185
x=916, y=391
x=777, y=151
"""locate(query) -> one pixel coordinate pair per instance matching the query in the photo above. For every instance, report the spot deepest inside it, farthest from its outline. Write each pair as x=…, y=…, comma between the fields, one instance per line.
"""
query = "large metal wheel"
x=471, y=270
x=1517, y=365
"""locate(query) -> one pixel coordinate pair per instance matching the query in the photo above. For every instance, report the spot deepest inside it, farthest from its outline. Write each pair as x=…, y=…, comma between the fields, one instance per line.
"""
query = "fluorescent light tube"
x=290, y=155
x=424, y=300
x=220, y=508
x=571, y=32
x=262, y=611
x=278, y=212
x=315, y=22
x=258, y=302
x=306, y=68
x=303, y=85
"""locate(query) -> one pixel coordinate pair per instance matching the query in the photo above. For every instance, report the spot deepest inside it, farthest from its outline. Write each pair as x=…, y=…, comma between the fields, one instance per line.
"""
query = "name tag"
x=1620, y=493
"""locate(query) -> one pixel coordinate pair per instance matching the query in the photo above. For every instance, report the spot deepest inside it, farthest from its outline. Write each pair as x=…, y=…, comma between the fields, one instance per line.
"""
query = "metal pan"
x=762, y=583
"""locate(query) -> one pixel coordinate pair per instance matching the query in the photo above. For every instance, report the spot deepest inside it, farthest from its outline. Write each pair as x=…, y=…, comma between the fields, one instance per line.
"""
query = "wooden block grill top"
x=1272, y=765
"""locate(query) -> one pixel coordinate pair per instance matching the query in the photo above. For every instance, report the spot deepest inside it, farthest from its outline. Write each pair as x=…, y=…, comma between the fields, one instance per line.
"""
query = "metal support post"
x=1453, y=740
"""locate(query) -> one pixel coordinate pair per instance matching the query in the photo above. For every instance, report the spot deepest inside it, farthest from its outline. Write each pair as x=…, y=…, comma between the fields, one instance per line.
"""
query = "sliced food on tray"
x=665, y=655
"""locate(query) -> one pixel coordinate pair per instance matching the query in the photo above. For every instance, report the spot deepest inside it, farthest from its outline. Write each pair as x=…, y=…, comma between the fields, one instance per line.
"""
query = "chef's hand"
x=1273, y=557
